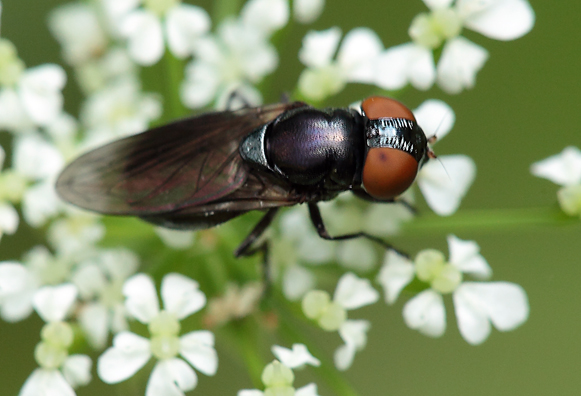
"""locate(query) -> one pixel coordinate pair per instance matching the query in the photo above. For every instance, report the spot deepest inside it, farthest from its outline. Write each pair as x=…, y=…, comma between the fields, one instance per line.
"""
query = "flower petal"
x=477, y=304
x=77, y=370
x=500, y=20
x=198, y=349
x=358, y=51
x=406, y=63
x=445, y=182
x=395, y=274
x=93, y=319
x=13, y=115
x=128, y=354
x=353, y=292
x=460, y=61
x=343, y=356
x=46, y=382
x=181, y=295
x=40, y=202
x=142, y=302
x=319, y=47
x=357, y=255
x=307, y=11
x=250, y=392
x=200, y=85
x=53, y=302
x=307, y=390
x=465, y=255
x=435, y=117
x=296, y=282
x=437, y=4
x=354, y=332
x=184, y=24
x=89, y=280
x=17, y=287
x=425, y=313
x=175, y=239
x=563, y=169
x=266, y=15
x=36, y=158
x=299, y=356
x=40, y=90
x=144, y=32
x=171, y=377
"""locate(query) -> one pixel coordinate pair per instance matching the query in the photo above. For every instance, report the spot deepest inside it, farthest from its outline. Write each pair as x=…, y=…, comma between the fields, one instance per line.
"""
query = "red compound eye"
x=387, y=171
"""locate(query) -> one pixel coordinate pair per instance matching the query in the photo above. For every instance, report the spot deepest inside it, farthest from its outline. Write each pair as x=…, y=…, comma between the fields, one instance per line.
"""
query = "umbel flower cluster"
x=93, y=279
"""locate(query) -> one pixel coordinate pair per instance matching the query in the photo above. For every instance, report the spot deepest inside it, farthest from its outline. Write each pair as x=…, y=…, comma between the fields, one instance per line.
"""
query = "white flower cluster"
x=477, y=304
x=78, y=283
x=278, y=376
x=331, y=315
x=361, y=57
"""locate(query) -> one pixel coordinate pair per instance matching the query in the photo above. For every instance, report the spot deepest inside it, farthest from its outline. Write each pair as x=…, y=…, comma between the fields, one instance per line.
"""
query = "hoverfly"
x=203, y=171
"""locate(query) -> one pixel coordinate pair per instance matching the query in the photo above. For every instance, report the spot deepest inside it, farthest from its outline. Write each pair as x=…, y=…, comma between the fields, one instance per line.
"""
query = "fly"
x=203, y=171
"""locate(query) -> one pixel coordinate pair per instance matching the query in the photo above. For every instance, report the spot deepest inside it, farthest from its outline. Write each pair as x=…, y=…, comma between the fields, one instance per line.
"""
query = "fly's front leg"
x=317, y=221
x=237, y=101
x=246, y=248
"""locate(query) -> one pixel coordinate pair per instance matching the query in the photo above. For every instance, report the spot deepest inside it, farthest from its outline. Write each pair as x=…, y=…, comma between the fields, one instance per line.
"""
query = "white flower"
x=145, y=29
x=96, y=74
x=266, y=15
x=76, y=234
x=278, y=379
x=356, y=61
x=405, y=63
x=171, y=375
x=297, y=357
x=11, y=187
x=40, y=162
x=176, y=239
x=351, y=293
x=100, y=280
x=76, y=27
x=19, y=282
x=445, y=181
x=118, y=110
x=563, y=169
x=500, y=19
x=477, y=304
x=58, y=373
x=395, y=274
x=35, y=99
x=234, y=59
x=307, y=11
x=460, y=59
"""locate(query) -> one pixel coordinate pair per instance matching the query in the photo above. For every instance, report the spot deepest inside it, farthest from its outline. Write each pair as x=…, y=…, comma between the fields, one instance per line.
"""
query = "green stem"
x=174, y=75
x=248, y=347
x=326, y=372
x=489, y=219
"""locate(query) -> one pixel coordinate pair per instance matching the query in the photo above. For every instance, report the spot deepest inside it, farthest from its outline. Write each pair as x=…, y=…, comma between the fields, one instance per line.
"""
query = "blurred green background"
x=524, y=107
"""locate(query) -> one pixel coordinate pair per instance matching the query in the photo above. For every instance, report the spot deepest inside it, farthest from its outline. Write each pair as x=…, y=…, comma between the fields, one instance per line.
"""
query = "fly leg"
x=317, y=221
x=236, y=98
x=246, y=248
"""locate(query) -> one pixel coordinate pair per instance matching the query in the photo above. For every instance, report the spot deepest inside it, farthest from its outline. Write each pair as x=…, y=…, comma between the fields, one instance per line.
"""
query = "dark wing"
x=188, y=163
x=260, y=191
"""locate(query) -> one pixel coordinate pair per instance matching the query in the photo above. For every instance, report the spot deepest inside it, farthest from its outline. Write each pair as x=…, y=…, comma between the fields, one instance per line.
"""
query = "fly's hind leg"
x=317, y=221
x=247, y=247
